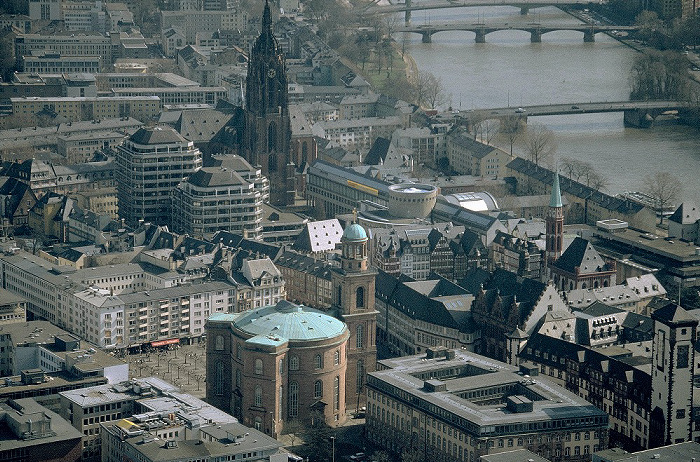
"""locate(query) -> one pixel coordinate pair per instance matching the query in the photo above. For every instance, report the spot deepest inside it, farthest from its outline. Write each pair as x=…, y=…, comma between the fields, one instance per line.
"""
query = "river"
x=510, y=70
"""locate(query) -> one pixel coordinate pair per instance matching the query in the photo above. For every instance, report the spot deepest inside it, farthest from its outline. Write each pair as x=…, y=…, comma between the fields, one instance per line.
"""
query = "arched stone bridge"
x=536, y=30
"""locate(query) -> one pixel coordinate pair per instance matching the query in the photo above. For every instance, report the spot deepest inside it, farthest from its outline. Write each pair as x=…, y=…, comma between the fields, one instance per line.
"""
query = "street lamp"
x=333, y=448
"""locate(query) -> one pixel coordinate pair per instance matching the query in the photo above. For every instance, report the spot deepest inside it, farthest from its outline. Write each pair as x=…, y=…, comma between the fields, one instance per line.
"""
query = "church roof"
x=580, y=254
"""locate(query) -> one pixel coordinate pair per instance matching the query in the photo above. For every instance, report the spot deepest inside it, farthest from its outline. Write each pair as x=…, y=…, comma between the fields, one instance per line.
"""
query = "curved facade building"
x=276, y=364
x=410, y=200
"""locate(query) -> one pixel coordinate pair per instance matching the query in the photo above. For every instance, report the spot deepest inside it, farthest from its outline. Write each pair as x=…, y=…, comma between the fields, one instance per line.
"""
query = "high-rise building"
x=267, y=134
x=150, y=165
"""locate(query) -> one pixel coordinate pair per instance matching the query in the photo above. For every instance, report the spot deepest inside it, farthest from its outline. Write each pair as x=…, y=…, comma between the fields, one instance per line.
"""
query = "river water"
x=510, y=70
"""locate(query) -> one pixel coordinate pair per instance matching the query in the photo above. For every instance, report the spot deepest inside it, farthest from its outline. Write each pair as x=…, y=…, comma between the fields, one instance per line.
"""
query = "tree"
x=659, y=75
x=512, y=128
x=664, y=188
x=430, y=92
x=540, y=144
x=381, y=456
x=293, y=428
x=318, y=440
x=583, y=172
x=488, y=129
x=412, y=455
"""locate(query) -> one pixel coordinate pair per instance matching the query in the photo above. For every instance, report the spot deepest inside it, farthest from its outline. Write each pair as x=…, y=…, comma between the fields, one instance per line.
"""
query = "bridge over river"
x=409, y=6
x=535, y=29
x=637, y=113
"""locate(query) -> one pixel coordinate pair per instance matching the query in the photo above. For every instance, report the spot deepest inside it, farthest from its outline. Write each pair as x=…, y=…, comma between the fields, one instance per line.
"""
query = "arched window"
x=584, y=286
x=318, y=389
x=336, y=393
x=219, y=379
x=258, y=395
x=336, y=357
x=595, y=284
x=272, y=163
x=360, y=375
x=219, y=343
x=280, y=416
x=318, y=361
x=272, y=137
x=304, y=151
x=293, y=399
x=294, y=363
x=360, y=336
x=258, y=366
x=360, y=297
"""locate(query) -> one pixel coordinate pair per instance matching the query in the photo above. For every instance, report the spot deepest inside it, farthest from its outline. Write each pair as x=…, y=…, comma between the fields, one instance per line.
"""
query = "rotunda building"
x=278, y=363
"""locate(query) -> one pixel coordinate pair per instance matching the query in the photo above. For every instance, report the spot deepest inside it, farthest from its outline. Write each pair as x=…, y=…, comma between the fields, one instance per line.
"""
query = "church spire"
x=267, y=18
x=555, y=198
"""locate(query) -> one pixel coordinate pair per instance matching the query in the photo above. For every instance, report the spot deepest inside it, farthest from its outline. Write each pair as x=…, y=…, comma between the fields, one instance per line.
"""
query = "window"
x=318, y=389
x=238, y=378
x=219, y=343
x=336, y=357
x=360, y=336
x=258, y=395
x=219, y=379
x=293, y=399
x=336, y=393
x=258, y=366
x=318, y=361
x=360, y=375
x=683, y=352
x=360, y=297
x=281, y=366
x=294, y=363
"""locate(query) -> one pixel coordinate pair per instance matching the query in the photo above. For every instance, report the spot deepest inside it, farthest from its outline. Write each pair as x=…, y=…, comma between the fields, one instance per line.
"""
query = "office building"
x=451, y=405
x=150, y=165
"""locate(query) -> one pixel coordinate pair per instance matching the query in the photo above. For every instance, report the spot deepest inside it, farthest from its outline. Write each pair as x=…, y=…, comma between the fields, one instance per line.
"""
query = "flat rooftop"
x=476, y=388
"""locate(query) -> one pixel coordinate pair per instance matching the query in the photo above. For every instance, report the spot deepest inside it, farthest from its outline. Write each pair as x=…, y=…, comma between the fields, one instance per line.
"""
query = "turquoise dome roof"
x=354, y=232
x=290, y=321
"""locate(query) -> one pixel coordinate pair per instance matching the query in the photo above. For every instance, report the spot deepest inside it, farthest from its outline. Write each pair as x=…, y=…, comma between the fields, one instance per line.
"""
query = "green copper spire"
x=555, y=198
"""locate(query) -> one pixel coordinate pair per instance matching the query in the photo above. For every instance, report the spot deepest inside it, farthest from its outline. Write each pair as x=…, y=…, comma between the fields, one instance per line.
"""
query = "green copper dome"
x=289, y=321
x=354, y=232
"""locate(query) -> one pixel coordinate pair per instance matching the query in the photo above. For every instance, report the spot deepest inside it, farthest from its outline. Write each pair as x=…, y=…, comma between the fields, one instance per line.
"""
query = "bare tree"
x=540, y=144
x=430, y=92
x=512, y=128
x=583, y=172
x=489, y=129
x=664, y=188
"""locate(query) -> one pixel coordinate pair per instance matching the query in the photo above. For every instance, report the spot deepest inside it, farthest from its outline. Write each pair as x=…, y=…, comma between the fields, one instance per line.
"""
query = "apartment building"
x=357, y=133
x=415, y=316
x=645, y=387
x=452, y=405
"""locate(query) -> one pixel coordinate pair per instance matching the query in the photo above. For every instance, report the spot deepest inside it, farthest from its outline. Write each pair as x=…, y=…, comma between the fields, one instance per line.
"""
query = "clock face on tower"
x=271, y=73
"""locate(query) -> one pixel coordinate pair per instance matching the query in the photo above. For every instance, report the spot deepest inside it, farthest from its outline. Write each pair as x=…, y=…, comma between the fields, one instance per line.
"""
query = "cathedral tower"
x=267, y=126
x=353, y=283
